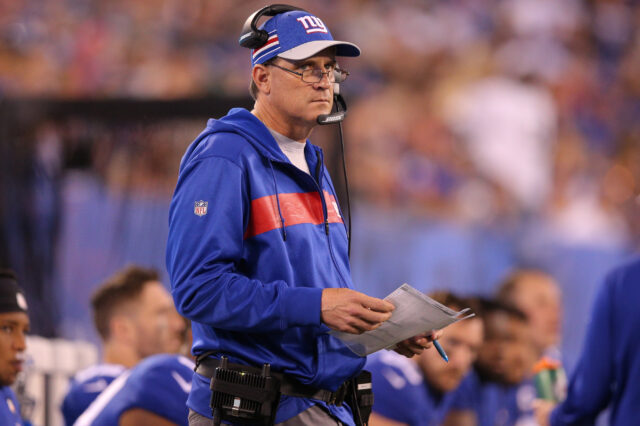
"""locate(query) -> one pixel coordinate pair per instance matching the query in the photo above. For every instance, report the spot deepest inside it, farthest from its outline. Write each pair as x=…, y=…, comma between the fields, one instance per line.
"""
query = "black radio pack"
x=244, y=397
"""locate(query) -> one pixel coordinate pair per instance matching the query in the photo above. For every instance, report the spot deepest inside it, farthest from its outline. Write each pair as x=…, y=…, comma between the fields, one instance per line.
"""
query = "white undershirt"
x=294, y=151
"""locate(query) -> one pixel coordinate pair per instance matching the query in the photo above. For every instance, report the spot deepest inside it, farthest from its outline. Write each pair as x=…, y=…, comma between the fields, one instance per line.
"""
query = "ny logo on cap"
x=312, y=24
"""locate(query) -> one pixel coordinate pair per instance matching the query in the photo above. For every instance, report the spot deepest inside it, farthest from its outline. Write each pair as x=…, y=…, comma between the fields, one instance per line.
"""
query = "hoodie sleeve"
x=590, y=386
x=204, y=251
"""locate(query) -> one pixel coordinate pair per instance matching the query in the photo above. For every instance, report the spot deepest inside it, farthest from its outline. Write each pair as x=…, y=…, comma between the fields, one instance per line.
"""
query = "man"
x=499, y=391
x=135, y=317
x=153, y=393
x=608, y=369
x=419, y=391
x=538, y=296
x=14, y=325
x=257, y=248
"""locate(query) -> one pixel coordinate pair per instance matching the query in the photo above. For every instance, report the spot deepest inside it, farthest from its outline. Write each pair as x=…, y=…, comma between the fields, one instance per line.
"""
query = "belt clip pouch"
x=361, y=398
x=244, y=397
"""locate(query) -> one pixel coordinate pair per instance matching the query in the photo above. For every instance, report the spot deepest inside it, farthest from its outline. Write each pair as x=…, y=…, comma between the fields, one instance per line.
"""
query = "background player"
x=153, y=393
x=14, y=325
x=135, y=317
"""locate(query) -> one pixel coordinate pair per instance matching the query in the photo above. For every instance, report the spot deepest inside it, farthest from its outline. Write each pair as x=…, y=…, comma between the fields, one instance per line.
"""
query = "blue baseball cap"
x=298, y=35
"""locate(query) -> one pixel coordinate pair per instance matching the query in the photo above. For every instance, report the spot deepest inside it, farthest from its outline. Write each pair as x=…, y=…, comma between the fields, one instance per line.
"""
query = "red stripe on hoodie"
x=296, y=208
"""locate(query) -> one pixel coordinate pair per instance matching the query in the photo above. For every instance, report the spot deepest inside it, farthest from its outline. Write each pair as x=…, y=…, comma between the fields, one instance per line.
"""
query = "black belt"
x=288, y=386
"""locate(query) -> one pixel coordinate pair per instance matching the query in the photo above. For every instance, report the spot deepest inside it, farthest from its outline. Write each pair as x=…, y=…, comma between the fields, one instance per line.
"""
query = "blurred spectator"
x=499, y=390
x=419, y=390
x=509, y=126
x=14, y=324
x=135, y=317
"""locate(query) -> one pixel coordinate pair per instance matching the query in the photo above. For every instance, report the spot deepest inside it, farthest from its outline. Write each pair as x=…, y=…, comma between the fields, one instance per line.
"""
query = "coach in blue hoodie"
x=257, y=246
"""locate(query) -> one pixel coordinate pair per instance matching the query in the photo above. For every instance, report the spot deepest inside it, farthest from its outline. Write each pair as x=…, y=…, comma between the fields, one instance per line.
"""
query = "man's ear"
x=122, y=328
x=262, y=78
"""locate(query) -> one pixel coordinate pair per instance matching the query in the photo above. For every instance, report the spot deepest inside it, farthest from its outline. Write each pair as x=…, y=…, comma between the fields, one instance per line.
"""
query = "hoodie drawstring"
x=318, y=170
x=275, y=184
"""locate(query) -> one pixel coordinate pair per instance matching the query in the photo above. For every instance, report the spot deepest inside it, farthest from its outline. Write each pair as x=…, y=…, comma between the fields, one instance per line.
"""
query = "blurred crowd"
x=503, y=111
x=487, y=112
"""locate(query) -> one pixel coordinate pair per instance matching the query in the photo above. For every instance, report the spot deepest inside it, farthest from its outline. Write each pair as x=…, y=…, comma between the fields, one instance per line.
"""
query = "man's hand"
x=353, y=312
x=543, y=409
x=416, y=344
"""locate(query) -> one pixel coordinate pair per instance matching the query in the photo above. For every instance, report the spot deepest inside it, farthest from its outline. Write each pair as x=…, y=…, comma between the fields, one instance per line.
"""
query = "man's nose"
x=20, y=342
x=325, y=81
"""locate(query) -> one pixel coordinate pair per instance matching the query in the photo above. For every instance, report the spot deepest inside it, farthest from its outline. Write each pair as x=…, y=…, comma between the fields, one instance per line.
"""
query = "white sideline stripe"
x=96, y=407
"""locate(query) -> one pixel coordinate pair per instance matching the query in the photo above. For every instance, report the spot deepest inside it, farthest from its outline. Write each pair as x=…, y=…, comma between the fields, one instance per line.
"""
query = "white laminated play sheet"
x=415, y=313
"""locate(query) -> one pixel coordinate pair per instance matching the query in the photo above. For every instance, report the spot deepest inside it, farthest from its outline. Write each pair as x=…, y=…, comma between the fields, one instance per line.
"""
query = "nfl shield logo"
x=200, y=208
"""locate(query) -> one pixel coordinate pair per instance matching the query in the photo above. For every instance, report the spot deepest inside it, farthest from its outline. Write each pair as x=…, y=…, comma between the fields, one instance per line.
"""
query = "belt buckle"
x=337, y=397
x=332, y=398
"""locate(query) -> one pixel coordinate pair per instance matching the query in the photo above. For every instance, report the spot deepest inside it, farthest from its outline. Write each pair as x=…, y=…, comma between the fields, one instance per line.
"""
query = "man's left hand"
x=416, y=344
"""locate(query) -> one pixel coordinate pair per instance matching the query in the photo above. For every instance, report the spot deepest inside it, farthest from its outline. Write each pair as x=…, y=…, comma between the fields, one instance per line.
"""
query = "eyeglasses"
x=315, y=75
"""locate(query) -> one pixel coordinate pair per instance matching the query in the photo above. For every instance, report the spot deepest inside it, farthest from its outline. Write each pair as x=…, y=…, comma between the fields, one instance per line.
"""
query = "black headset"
x=251, y=37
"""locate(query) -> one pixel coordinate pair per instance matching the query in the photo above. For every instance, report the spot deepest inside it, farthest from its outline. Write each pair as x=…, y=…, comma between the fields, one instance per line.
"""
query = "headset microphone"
x=341, y=109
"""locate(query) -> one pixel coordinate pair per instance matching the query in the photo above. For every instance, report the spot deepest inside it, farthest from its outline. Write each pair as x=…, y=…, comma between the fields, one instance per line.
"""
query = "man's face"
x=295, y=100
x=13, y=329
x=539, y=298
x=507, y=354
x=157, y=326
x=461, y=341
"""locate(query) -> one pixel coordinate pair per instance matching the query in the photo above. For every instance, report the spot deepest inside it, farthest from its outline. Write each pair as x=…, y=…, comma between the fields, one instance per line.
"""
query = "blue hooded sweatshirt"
x=253, y=241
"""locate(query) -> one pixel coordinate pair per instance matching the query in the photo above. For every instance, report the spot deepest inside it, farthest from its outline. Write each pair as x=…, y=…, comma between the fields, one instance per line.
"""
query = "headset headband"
x=251, y=37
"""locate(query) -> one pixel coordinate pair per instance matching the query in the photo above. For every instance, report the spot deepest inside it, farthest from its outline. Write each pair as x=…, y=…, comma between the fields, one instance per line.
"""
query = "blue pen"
x=441, y=351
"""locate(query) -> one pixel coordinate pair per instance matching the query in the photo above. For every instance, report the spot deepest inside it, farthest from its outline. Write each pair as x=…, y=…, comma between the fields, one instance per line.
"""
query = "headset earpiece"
x=252, y=37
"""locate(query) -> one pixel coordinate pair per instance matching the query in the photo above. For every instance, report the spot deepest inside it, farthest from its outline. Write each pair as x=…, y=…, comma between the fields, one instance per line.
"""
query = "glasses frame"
x=337, y=71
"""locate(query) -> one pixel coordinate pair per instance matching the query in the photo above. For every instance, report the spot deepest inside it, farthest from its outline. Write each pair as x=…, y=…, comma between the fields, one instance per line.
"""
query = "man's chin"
x=8, y=380
x=321, y=108
x=452, y=382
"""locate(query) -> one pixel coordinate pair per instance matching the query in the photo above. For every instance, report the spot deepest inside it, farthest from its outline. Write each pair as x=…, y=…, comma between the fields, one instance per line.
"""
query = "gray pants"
x=314, y=416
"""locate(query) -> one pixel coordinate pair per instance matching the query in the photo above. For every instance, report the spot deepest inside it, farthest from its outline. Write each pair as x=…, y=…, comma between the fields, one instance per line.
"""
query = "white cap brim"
x=311, y=48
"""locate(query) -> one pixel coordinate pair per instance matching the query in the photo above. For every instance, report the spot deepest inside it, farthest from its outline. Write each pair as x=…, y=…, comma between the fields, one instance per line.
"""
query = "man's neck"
x=115, y=353
x=297, y=132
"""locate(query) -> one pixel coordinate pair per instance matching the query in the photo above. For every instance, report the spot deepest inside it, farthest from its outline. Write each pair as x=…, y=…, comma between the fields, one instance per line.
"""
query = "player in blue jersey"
x=419, y=391
x=609, y=367
x=135, y=317
x=499, y=391
x=153, y=393
x=14, y=324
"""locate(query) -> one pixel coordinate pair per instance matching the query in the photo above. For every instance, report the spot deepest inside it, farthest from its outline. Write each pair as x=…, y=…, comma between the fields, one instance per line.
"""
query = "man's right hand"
x=353, y=312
